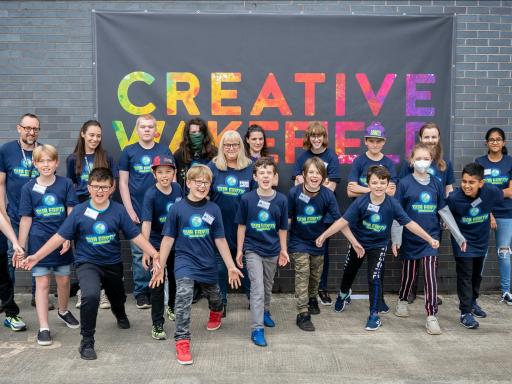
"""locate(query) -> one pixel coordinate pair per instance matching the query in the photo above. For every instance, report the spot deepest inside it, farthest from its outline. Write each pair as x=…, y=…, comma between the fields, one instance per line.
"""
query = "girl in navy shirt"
x=498, y=171
x=308, y=204
x=255, y=143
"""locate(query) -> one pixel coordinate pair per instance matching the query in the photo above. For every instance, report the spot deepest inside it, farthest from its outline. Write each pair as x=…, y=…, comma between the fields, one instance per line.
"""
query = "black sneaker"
x=86, y=350
x=44, y=337
x=123, y=322
x=142, y=302
x=69, y=319
x=314, y=309
x=412, y=297
x=304, y=322
x=439, y=300
x=325, y=299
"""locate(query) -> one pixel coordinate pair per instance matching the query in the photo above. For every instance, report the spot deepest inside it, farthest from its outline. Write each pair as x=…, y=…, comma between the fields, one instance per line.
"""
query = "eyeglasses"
x=317, y=136
x=232, y=145
x=495, y=141
x=102, y=188
x=199, y=183
x=28, y=129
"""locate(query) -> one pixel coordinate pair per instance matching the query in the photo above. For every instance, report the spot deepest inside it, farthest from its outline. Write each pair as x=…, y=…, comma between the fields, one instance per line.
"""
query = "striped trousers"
x=409, y=271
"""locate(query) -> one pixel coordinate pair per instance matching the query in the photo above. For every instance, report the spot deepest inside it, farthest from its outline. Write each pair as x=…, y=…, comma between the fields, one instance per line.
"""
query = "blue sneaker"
x=267, y=320
x=467, y=320
x=342, y=300
x=383, y=307
x=258, y=337
x=15, y=322
x=477, y=311
x=373, y=322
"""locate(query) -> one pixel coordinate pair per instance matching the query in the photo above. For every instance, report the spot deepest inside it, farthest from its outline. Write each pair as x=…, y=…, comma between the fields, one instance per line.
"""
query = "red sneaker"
x=214, y=321
x=183, y=352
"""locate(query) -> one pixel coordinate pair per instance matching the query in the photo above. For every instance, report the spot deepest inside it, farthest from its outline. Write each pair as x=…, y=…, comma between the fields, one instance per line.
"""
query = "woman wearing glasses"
x=498, y=171
x=232, y=177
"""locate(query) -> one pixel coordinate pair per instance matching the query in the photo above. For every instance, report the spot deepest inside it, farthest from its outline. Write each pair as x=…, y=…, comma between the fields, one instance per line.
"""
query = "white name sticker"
x=305, y=198
x=476, y=202
x=264, y=204
x=244, y=183
x=487, y=172
x=39, y=189
x=207, y=218
x=91, y=213
x=373, y=208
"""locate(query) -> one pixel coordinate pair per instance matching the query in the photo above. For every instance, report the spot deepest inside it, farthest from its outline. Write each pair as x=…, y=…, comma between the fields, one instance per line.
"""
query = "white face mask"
x=422, y=166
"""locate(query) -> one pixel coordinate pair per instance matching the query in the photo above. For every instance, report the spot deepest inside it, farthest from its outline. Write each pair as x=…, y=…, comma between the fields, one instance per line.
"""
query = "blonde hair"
x=315, y=128
x=200, y=171
x=220, y=160
x=50, y=150
x=144, y=117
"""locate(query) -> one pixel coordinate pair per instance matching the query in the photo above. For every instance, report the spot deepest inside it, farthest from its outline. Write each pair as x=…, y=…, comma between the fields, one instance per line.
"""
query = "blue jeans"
x=223, y=277
x=503, y=241
x=141, y=277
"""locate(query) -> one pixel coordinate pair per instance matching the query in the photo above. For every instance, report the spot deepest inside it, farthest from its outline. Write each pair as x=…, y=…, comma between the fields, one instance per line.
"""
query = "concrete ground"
x=339, y=351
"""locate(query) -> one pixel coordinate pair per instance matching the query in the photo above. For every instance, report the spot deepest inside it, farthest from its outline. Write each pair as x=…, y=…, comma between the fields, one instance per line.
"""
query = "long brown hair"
x=437, y=151
x=208, y=150
x=100, y=155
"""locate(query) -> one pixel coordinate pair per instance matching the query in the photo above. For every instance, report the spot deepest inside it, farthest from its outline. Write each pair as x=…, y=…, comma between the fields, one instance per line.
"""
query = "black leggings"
x=157, y=294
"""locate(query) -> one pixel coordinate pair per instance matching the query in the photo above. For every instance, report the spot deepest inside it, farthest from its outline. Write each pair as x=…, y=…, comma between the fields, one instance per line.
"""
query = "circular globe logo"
x=145, y=160
x=26, y=163
x=169, y=205
x=231, y=181
x=430, y=171
x=495, y=172
x=425, y=197
x=263, y=216
x=196, y=221
x=474, y=211
x=49, y=199
x=375, y=218
x=99, y=228
x=309, y=210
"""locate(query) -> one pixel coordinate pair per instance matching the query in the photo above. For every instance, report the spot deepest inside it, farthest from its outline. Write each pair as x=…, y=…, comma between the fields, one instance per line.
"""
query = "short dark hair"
x=474, y=169
x=29, y=115
x=380, y=171
x=101, y=174
x=264, y=162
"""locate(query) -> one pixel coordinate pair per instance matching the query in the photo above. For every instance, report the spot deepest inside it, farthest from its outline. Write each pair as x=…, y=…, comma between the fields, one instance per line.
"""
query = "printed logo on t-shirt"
x=232, y=187
x=475, y=217
x=49, y=207
x=85, y=173
x=24, y=169
x=425, y=204
x=163, y=218
x=309, y=216
x=196, y=229
x=374, y=223
x=431, y=171
x=493, y=176
x=144, y=166
x=100, y=235
x=363, y=181
x=263, y=223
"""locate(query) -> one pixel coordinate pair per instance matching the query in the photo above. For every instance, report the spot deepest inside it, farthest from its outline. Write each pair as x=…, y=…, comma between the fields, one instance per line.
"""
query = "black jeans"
x=91, y=277
x=157, y=294
x=375, y=260
x=469, y=277
x=6, y=287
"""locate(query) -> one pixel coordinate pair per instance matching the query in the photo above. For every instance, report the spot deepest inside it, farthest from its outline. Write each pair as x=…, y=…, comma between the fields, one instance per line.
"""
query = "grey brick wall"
x=46, y=68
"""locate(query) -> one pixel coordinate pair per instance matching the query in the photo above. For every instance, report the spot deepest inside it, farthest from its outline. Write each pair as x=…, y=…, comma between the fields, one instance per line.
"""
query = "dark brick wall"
x=46, y=68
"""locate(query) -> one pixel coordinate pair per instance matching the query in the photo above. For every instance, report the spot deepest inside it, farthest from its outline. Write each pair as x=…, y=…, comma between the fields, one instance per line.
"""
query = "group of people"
x=210, y=216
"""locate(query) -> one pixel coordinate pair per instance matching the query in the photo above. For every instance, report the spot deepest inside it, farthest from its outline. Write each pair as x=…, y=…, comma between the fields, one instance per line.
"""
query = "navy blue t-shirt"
x=96, y=233
x=137, y=161
x=263, y=220
x=227, y=188
x=48, y=208
x=156, y=208
x=80, y=181
x=17, y=165
x=195, y=228
x=421, y=203
x=446, y=177
x=498, y=174
x=360, y=166
x=472, y=217
x=370, y=223
x=307, y=214
x=328, y=157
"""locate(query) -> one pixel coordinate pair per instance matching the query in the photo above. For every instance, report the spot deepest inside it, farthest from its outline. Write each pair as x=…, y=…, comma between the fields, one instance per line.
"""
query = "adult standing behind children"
x=498, y=171
x=135, y=178
x=316, y=144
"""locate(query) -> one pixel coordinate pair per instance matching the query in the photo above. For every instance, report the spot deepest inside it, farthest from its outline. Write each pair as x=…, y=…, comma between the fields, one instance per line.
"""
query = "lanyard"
x=87, y=165
x=25, y=161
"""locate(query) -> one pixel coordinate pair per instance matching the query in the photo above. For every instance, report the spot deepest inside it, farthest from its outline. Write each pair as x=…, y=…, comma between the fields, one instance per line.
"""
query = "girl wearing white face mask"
x=422, y=197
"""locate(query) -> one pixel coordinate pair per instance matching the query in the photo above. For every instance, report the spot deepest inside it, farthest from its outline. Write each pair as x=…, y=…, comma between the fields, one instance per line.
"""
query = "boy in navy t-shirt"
x=44, y=205
x=370, y=217
x=262, y=220
x=135, y=178
x=94, y=225
x=471, y=205
x=157, y=202
x=194, y=225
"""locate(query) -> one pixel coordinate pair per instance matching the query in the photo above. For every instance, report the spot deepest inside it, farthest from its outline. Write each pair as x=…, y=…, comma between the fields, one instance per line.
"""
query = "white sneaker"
x=402, y=308
x=432, y=326
x=506, y=298
x=78, y=299
x=104, y=303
